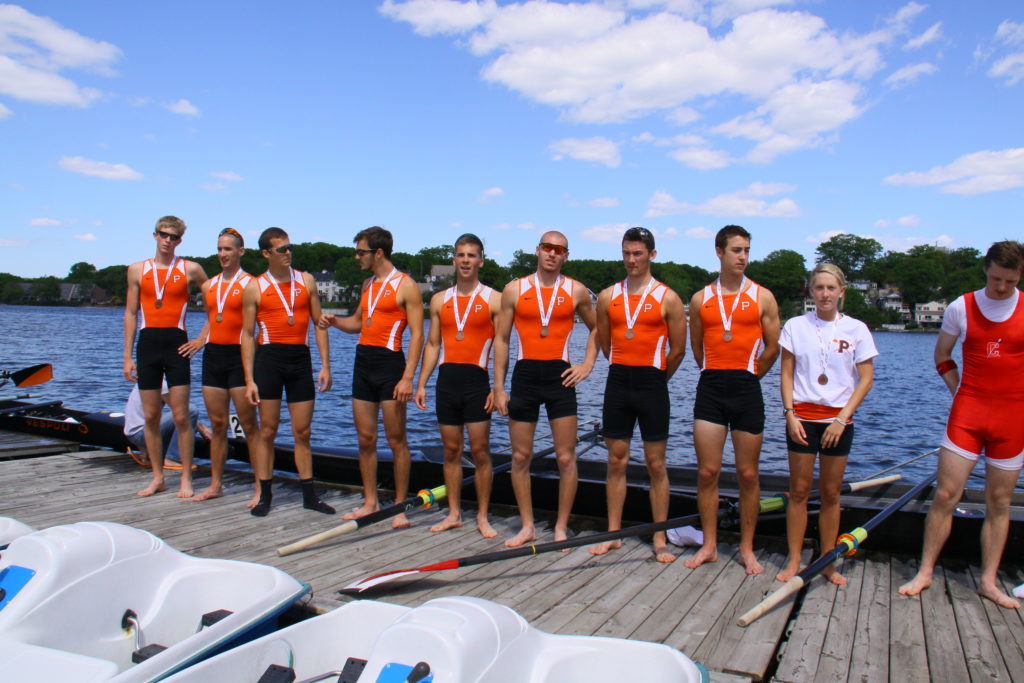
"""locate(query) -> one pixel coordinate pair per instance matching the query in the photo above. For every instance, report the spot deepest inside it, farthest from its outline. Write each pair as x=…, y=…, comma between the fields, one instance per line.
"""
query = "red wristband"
x=945, y=366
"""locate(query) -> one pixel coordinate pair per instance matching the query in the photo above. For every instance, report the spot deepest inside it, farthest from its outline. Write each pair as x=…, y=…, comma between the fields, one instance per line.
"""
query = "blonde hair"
x=172, y=222
x=836, y=272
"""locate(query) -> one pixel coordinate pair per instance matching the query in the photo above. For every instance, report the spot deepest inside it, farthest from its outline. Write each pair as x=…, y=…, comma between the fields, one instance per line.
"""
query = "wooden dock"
x=14, y=445
x=864, y=631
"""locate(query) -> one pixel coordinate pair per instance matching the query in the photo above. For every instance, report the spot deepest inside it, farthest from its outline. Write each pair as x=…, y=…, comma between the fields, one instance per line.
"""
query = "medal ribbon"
x=461, y=323
x=727, y=322
x=156, y=284
x=287, y=308
x=824, y=345
x=372, y=305
x=222, y=294
x=631, y=319
x=545, y=317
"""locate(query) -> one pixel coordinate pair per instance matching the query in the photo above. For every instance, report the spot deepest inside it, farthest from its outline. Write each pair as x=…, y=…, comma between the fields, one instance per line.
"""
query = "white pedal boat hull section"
x=77, y=602
x=463, y=639
x=11, y=529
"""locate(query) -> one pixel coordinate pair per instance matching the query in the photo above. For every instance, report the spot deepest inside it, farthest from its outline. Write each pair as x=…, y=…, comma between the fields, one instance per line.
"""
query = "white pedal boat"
x=462, y=639
x=97, y=601
x=11, y=529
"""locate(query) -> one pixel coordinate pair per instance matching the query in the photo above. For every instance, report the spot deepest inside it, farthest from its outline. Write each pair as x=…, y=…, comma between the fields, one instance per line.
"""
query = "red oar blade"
x=364, y=584
x=37, y=374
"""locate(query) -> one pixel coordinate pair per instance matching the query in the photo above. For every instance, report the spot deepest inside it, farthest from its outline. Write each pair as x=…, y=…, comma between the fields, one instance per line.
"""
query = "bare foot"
x=361, y=512
x=155, y=486
x=705, y=554
x=254, y=500
x=562, y=535
x=185, y=491
x=400, y=521
x=749, y=560
x=452, y=521
x=485, y=528
x=791, y=569
x=525, y=535
x=834, y=577
x=209, y=493
x=602, y=548
x=916, y=584
x=662, y=554
x=997, y=596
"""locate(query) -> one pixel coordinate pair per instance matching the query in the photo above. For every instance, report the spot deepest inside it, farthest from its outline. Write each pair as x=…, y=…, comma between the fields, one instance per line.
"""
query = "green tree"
x=12, y=292
x=113, y=280
x=964, y=272
x=921, y=274
x=45, y=289
x=784, y=272
x=855, y=305
x=851, y=253
x=596, y=275
x=81, y=272
x=493, y=275
x=522, y=264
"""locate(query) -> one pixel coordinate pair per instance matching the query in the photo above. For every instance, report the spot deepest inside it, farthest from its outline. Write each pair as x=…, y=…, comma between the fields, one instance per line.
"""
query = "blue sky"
x=900, y=121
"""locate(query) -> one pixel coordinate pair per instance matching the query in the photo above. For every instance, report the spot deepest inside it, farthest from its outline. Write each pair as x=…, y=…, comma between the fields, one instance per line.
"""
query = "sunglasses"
x=361, y=252
x=555, y=248
x=283, y=249
x=232, y=232
x=174, y=237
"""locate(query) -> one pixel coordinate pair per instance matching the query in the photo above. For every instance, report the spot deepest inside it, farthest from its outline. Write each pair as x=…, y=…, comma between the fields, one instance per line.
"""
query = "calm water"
x=903, y=416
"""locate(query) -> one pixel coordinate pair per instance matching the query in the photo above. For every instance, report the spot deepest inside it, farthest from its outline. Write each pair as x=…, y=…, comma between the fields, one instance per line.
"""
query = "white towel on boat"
x=1018, y=592
x=685, y=535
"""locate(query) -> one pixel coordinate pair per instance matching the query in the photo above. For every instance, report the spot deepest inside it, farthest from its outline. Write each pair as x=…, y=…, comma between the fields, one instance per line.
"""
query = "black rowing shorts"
x=731, y=398
x=636, y=394
x=157, y=357
x=536, y=383
x=377, y=370
x=461, y=393
x=814, y=431
x=284, y=369
x=222, y=366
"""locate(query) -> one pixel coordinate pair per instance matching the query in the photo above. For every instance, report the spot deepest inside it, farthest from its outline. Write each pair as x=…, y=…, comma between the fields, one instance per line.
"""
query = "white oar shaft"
x=789, y=588
x=304, y=543
x=905, y=462
x=868, y=483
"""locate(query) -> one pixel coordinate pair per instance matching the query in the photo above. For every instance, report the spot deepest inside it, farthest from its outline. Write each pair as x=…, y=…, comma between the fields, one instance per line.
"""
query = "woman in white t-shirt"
x=827, y=371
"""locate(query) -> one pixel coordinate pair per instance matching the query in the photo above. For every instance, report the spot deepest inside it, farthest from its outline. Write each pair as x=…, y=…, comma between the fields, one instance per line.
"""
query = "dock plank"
x=908, y=654
x=946, y=658
x=981, y=654
x=869, y=660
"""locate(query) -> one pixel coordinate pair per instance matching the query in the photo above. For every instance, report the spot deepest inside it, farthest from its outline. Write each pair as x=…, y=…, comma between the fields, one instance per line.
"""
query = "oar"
x=31, y=376
x=424, y=498
x=846, y=544
x=904, y=463
x=17, y=397
x=771, y=504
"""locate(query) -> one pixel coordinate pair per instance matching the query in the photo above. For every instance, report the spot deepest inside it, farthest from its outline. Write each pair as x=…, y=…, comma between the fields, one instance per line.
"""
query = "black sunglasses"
x=283, y=249
x=360, y=252
x=174, y=237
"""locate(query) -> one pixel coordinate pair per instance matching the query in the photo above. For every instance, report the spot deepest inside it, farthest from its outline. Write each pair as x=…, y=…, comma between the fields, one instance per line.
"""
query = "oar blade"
x=365, y=584
x=31, y=376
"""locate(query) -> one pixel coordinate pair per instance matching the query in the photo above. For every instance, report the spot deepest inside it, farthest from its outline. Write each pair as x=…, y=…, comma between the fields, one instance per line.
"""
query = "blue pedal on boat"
x=462, y=639
x=97, y=601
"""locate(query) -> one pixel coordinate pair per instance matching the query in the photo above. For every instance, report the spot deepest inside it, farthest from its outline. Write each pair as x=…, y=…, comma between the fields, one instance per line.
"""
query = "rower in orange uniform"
x=282, y=302
x=641, y=329
x=461, y=335
x=734, y=334
x=158, y=288
x=542, y=307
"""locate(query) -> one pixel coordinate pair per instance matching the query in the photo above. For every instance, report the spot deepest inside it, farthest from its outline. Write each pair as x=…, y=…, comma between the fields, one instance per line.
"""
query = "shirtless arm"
x=585, y=308
x=697, y=329
x=770, y=330
x=494, y=306
x=323, y=343
x=604, y=325
x=196, y=278
x=431, y=352
x=944, y=346
x=131, y=319
x=409, y=299
x=676, y=321
x=502, y=335
x=250, y=303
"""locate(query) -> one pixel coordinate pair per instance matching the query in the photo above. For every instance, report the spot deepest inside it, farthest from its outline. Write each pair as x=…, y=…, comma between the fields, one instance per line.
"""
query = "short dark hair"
x=376, y=238
x=470, y=238
x=1006, y=254
x=728, y=232
x=639, y=234
x=270, y=234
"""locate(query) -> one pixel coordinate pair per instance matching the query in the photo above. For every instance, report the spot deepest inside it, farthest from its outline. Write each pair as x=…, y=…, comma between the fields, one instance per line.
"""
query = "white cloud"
x=96, y=223
x=34, y=50
x=7, y=242
x=699, y=233
x=976, y=173
x=1010, y=32
x=5, y=112
x=604, y=202
x=748, y=202
x=430, y=17
x=824, y=236
x=930, y=35
x=227, y=175
x=597, y=149
x=491, y=195
x=1010, y=66
x=44, y=221
x=909, y=74
x=701, y=158
x=138, y=101
x=606, y=232
x=906, y=221
x=501, y=226
x=86, y=237
x=182, y=107
x=531, y=226
x=214, y=187
x=99, y=169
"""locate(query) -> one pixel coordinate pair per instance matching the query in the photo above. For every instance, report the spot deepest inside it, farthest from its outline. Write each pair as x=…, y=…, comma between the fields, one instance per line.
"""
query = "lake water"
x=903, y=416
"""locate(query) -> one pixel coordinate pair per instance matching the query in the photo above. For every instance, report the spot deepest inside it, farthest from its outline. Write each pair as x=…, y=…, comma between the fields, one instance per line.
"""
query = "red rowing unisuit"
x=986, y=412
x=741, y=353
x=228, y=330
x=272, y=317
x=478, y=334
x=532, y=344
x=175, y=295
x=389, y=319
x=650, y=331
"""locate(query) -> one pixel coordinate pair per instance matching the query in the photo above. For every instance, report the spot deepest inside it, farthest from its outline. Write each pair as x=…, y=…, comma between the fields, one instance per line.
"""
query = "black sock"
x=262, y=508
x=310, y=501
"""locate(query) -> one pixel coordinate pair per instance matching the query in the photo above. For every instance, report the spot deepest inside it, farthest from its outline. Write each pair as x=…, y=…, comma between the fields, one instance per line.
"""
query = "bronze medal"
x=459, y=336
x=369, y=322
x=291, y=320
x=727, y=337
x=220, y=317
x=629, y=334
x=823, y=379
x=159, y=303
x=544, y=331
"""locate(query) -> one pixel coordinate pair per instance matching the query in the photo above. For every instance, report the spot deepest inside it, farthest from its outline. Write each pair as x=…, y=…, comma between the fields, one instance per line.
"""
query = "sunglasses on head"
x=555, y=248
x=283, y=249
x=233, y=233
x=174, y=237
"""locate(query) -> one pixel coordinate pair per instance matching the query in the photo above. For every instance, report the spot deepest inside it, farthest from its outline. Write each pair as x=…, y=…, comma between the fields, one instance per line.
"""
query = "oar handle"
x=868, y=483
x=345, y=528
x=788, y=589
